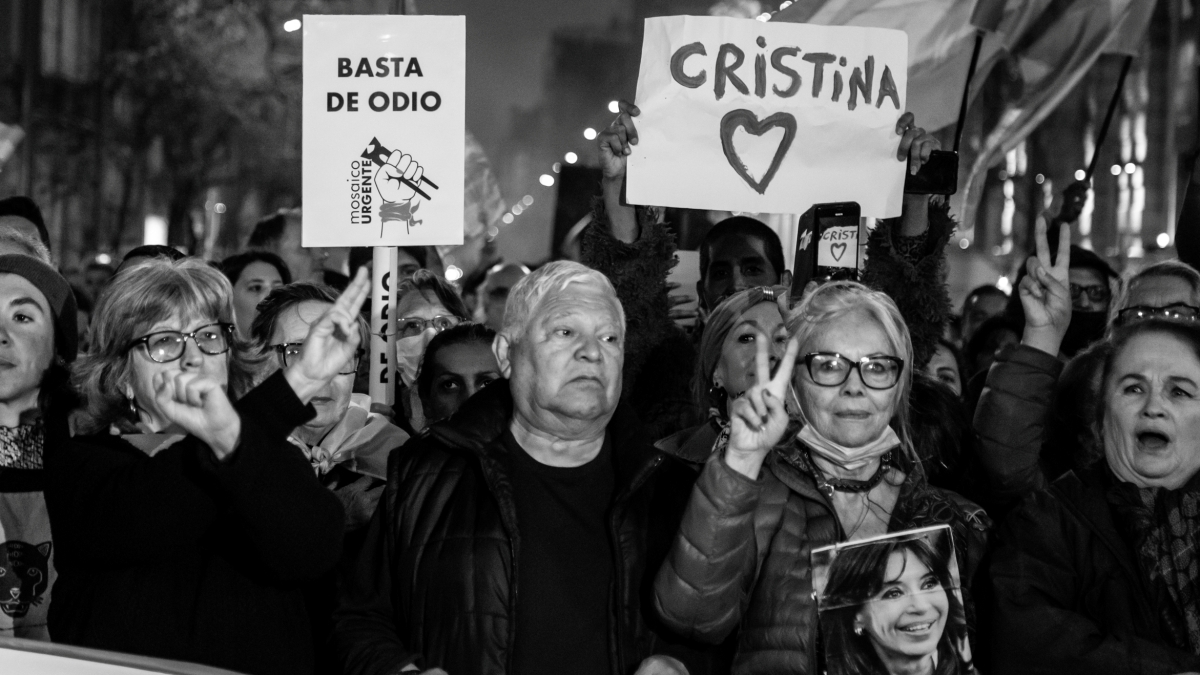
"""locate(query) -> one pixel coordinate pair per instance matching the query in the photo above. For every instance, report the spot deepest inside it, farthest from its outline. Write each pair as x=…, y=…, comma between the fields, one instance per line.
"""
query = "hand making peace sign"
x=1045, y=292
x=758, y=419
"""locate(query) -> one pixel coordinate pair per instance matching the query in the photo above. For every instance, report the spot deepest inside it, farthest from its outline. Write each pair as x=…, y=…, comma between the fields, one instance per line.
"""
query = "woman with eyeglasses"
x=185, y=522
x=771, y=493
x=426, y=305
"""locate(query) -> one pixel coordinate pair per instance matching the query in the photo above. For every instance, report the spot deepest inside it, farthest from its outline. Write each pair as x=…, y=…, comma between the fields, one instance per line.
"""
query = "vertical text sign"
x=741, y=115
x=384, y=121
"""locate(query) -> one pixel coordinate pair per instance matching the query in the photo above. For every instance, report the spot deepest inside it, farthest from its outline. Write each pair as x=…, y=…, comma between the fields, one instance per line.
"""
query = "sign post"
x=383, y=325
x=384, y=132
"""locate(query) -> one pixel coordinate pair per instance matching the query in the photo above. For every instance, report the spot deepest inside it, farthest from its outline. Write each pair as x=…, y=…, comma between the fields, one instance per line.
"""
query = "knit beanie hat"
x=58, y=293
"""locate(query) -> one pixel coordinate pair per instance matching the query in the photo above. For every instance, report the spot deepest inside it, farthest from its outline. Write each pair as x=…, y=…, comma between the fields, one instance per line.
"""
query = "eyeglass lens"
x=292, y=351
x=832, y=370
x=169, y=345
x=415, y=326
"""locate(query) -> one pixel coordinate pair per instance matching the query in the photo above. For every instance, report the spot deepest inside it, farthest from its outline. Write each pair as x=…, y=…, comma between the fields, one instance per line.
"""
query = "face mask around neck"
x=850, y=459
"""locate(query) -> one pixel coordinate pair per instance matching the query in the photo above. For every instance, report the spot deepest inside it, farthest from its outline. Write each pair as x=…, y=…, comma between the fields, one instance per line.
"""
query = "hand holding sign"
x=916, y=145
x=615, y=142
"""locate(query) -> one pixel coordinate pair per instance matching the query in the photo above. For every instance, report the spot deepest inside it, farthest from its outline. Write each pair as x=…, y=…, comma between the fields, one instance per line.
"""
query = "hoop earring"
x=132, y=408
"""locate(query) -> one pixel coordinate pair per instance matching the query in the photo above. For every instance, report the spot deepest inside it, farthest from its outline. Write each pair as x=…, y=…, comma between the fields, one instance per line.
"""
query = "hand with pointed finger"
x=615, y=142
x=1045, y=292
x=199, y=405
x=758, y=419
x=916, y=145
x=390, y=178
x=332, y=341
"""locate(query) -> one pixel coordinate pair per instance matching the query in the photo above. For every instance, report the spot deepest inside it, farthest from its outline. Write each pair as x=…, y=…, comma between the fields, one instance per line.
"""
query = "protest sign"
x=896, y=594
x=741, y=115
x=384, y=123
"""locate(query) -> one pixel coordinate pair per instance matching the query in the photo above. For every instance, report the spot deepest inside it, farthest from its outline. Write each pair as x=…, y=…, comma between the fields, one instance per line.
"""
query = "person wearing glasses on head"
x=185, y=523
x=1165, y=290
x=764, y=501
x=426, y=304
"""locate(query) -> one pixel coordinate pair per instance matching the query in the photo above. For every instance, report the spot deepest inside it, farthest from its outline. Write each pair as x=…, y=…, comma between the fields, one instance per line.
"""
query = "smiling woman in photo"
x=894, y=609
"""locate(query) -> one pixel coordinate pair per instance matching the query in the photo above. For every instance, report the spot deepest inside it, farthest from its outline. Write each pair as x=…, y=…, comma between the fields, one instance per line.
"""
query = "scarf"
x=1164, y=529
x=361, y=441
x=21, y=446
x=850, y=459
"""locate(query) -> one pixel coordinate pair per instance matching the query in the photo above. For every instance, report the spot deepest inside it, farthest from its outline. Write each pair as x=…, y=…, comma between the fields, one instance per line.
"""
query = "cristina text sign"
x=742, y=115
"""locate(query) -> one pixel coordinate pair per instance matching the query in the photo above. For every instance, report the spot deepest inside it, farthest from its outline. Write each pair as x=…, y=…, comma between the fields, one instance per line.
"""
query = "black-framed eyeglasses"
x=1176, y=312
x=830, y=369
x=414, y=325
x=290, y=353
x=1097, y=294
x=165, y=346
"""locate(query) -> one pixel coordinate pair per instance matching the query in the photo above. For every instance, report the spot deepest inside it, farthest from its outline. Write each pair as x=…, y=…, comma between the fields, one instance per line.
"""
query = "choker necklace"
x=827, y=484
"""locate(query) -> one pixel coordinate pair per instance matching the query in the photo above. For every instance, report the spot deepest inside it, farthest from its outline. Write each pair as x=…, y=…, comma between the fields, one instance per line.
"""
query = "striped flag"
x=941, y=36
x=1051, y=58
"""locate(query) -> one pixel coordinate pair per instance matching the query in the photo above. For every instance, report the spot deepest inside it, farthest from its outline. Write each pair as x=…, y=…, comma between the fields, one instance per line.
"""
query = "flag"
x=483, y=207
x=941, y=37
x=1051, y=58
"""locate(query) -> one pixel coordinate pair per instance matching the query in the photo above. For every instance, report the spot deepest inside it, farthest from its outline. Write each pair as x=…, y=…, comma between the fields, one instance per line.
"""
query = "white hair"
x=549, y=279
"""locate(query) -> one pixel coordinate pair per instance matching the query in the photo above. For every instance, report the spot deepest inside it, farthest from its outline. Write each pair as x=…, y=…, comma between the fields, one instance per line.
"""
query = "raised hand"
x=615, y=142
x=758, y=419
x=916, y=144
x=199, y=405
x=1045, y=292
x=331, y=341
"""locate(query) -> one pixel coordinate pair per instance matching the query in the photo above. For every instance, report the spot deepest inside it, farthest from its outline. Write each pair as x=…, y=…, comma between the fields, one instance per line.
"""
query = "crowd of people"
x=570, y=482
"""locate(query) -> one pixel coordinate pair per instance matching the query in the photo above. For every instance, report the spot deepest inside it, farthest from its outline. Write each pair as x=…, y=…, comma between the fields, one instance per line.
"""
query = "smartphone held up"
x=828, y=245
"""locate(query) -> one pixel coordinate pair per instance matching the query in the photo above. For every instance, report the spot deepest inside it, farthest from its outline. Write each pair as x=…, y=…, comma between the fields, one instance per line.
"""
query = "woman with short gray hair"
x=185, y=523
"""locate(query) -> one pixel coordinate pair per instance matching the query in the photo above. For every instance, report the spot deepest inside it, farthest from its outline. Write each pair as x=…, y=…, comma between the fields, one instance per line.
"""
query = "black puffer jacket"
x=435, y=583
x=1069, y=597
x=742, y=558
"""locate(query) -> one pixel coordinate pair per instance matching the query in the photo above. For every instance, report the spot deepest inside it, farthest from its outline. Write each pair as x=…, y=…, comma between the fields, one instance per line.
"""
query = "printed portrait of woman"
x=892, y=605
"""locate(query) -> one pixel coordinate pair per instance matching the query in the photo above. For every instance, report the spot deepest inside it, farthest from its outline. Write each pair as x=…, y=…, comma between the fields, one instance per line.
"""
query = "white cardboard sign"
x=384, y=120
x=742, y=115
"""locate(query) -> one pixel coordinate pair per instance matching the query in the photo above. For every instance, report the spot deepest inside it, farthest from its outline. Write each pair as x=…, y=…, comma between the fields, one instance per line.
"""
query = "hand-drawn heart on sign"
x=748, y=120
x=838, y=250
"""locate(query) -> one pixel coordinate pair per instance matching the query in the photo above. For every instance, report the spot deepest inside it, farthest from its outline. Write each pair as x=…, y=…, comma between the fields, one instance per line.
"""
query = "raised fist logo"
x=398, y=179
x=400, y=183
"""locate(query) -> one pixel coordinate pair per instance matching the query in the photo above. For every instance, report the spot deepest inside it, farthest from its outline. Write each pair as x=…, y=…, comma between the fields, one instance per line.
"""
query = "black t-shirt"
x=564, y=566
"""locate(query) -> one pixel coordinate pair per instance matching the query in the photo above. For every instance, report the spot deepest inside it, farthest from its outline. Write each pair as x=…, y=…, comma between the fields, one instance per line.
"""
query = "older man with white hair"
x=515, y=536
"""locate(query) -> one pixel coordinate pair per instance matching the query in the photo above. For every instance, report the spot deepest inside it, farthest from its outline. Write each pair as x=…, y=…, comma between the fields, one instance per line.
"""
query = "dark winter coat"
x=435, y=583
x=742, y=558
x=1069, y=597
x=180, y=556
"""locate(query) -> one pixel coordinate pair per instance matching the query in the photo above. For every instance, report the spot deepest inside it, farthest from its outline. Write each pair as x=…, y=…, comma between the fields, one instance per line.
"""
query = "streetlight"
x=291, y=25
x=546, y=179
